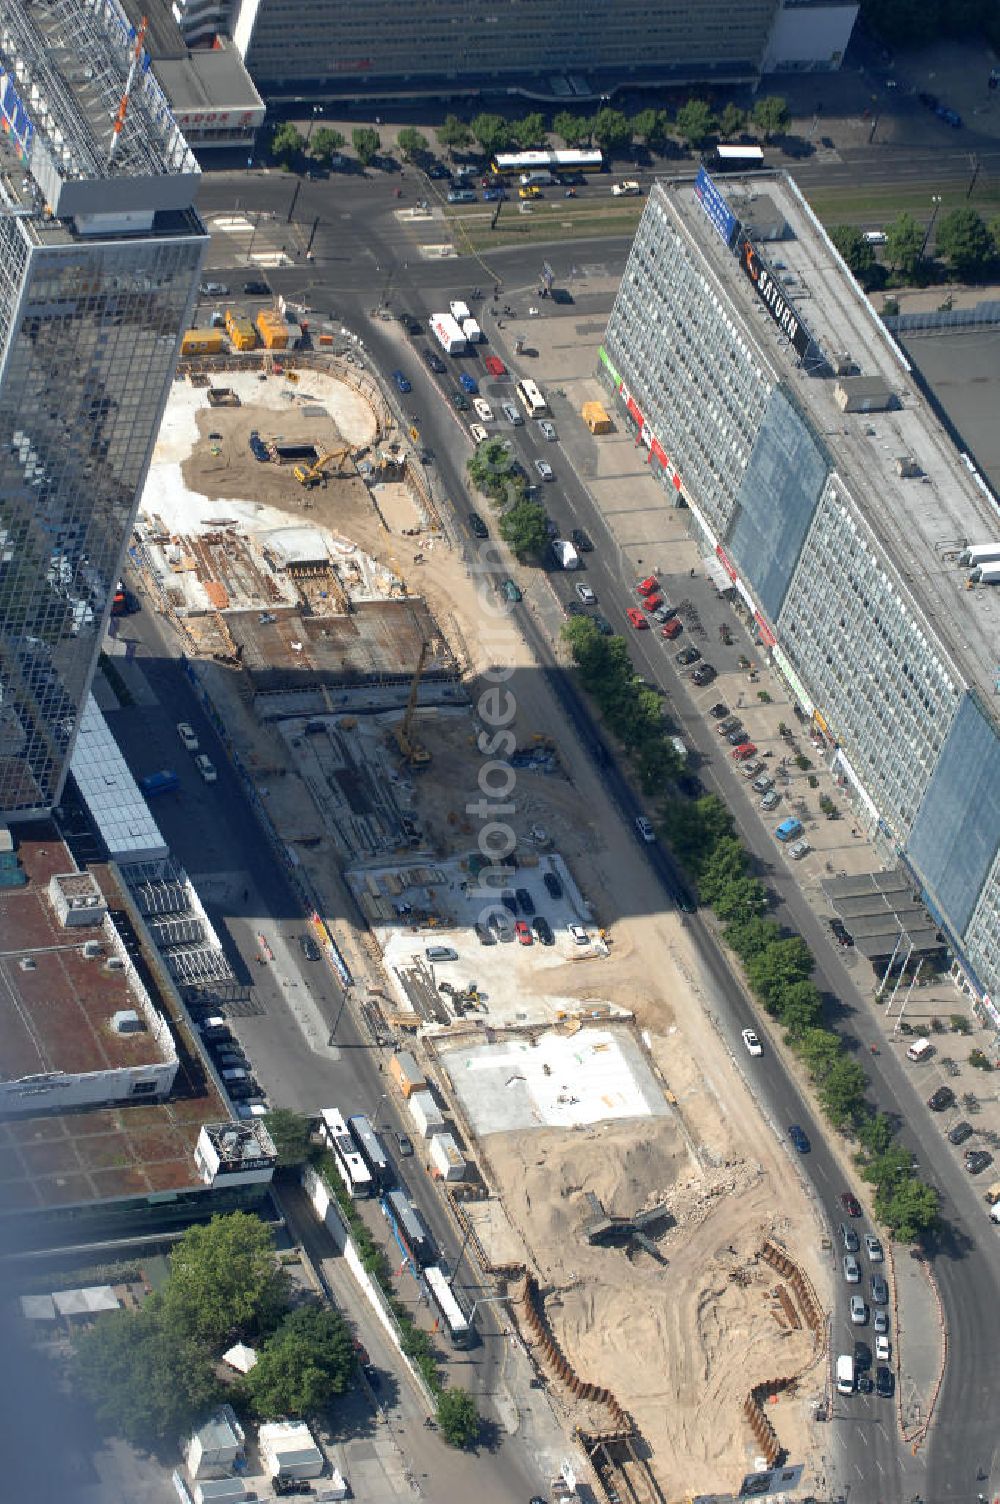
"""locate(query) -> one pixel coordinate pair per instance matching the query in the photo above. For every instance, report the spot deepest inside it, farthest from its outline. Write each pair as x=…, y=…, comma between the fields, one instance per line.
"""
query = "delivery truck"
x=448, y=333
x=472, y=331
x=564, y=555
x=460, y=311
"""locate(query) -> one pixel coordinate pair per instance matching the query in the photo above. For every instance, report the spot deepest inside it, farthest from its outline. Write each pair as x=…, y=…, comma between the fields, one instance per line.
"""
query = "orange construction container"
x=240, y=330
x=201, y=342
x=273, y=329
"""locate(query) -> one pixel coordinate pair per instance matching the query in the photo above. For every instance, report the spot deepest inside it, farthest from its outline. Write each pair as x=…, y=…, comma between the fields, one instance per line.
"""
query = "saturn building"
x=778, y=410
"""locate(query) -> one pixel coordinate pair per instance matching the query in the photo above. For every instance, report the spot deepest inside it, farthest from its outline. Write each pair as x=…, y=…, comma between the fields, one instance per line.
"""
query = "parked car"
x=586, y=595
x=648, y=585
x=671, y=629
x=652, y=603
x=664, y=613
x=885, y=1383
x=477, y=527
x=763, y=784
x=402, y=382
x=638, y=621
x=553, y=886
x=459, y=401
x=960, y=1133
x=495, y=365
x=880, y=1321
x=720, y=709
x=752, y=768
x=849, y=1238
x=798, y=850
x=687, y=655
x=256, y=290
x=525, y=902
x=523, y=932
x=478, y=433
x=977, y=1160
x=483, y=409
x=509, y=900
x=578, y=934
x=214, y=290
x=542, y=930
x=941, y=1100
x=603, y=625
x=405, y=1144
x=440, y=953
x=738, y=738
x=510, y=591
x=742, y=753
x=206, y=767
x=883, y=1349
x=581, y=541
x=880, y=1290
x=799, y=1139
x=703, y=674
x=753, y=1044
x=485, y=935
x=862, y=1356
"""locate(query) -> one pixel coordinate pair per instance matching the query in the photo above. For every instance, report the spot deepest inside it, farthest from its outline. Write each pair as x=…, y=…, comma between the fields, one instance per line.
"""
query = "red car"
x=522, y=932
x=740, y=754
x=652, y=602
x=672, y=628
x=646, y=587
x=495, y=366
x=637, y=619
x=850, y=1203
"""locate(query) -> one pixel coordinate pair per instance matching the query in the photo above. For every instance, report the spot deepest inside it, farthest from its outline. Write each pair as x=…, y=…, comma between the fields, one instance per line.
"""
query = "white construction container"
x=460, y=311
x=287, y=1450
x=426, y=1114
x=446, y=1157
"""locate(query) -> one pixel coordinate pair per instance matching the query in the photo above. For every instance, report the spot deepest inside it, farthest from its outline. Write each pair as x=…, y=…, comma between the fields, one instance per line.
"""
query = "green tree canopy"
x=458, y=1418
x=903, y=242
x=875, y=1134
x=732, y=120
x=492, y=132
x=842, y=1093
x=572, y=129
x=694, y=827
x=749, y=937
x=993, y=229
x=770, y=115
x=801, y=1010
x=740, y=898
x=522, y=528
x=290, y=1134
x=777, y=966
x=367, y=143
x=325, y=143
x=145, y=1382
x=530, y=131
x=854, y=248
x=910, y=1209
x=889, y=1168
x=491, y=470
x=650, y=125
x=964, y=239
x=611, y=130
x=224, y=1281
x=411, y=141
x=303, y=1366
x=658, y=763
x=287, y=142
x=454, y=135
x=820, y=1050
x=695, y=122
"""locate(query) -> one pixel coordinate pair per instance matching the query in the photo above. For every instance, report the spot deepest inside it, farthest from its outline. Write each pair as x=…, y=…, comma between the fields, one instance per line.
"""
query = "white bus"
x=531, y=399
x=507, y=164
x=370, y=1147
x=451, y=1317
x=351, y=1167
x=736, y=159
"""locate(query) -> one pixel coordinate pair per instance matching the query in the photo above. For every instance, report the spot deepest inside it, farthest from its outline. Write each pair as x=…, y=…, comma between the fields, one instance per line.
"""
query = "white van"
x=874, y=237
x=235, y=1073
x=845, y=1374
x=920, y=1049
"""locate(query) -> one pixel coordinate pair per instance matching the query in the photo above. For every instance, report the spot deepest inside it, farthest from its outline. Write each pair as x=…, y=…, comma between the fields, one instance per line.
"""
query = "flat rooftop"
x=922, y=522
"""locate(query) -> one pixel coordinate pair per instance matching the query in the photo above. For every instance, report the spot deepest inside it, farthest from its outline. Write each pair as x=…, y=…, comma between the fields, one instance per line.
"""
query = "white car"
x=873, y=1248
x=186, y=732
x=548, y=429
x=883, y=1349
x=206, y=767
x=586, y=595
x=798, y=850
x=511, y=413
x=545, y=470
x=483, y=409
x=880, y=1322
x=644, y=829
x=752, y=1043
x=579, y=934
x=478, y=433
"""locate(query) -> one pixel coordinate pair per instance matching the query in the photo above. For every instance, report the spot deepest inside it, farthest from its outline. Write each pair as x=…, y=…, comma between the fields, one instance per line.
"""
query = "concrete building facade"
x=842, y=530
x=100, y=252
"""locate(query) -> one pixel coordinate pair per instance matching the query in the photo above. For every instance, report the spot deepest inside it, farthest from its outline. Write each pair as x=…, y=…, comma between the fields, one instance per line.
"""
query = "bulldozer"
x=313, y=475
x=415, y=755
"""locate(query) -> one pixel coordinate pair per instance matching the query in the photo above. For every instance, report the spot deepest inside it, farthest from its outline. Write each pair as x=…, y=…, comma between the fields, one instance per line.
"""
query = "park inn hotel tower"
x=861, y=547
x=100, y=252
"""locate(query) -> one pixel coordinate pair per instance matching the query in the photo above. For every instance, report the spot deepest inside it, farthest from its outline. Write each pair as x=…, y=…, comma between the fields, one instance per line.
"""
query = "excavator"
x=414, y=754
x=312, y=475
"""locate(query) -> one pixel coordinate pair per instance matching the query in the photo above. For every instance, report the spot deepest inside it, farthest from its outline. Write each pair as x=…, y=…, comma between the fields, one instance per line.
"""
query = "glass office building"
x=776, y=408
x=100, y=252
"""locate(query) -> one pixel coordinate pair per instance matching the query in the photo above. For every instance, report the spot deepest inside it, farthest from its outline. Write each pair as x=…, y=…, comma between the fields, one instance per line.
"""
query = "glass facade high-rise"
x=100, y=253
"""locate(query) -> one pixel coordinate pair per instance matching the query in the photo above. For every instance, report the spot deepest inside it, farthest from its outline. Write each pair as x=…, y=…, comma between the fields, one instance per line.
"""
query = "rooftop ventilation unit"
x=114, y=963
x=28, y=963
x=90, y=949
x=126, y=1021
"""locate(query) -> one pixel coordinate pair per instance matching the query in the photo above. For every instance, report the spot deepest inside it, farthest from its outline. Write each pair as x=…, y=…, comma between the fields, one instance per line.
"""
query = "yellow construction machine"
x=312, y=475
x=415, y=755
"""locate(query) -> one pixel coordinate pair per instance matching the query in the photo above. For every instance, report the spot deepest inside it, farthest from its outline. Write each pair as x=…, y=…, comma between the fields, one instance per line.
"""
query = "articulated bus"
x=736, y=159
x=450, y=1315
x=371, y=1151
x=351, y=1167
x=409, y=1229
x=531, y=399
x=508, y=164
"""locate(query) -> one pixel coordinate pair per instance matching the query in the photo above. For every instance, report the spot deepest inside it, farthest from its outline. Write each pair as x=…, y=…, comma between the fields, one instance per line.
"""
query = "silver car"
x=548, y=429
x=859, y=1311
x=545, y=470
x=852, y=1269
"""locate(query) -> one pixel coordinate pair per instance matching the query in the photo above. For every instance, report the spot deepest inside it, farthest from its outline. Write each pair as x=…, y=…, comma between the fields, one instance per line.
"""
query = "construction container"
x=201, y=342
x=426, y=1114
x=407, y=1074
x=446, y=1157
x=241, y=331
x=273, y=329
x=596, y=418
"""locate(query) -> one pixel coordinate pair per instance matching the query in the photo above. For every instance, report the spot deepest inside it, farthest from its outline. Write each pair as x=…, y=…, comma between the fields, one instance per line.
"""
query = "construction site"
x=662, y=1263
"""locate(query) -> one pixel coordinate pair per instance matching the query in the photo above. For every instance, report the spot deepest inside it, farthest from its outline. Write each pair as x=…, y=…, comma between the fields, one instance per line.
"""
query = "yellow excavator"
x=415, y=755
x=312, y=475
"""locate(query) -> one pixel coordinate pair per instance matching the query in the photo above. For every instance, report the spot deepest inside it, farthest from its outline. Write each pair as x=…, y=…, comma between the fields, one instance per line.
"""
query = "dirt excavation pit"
x=680, y=1343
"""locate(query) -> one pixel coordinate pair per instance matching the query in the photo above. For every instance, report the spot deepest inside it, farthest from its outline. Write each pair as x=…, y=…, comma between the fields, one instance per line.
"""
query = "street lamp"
x=317, y=111
x=936, y=201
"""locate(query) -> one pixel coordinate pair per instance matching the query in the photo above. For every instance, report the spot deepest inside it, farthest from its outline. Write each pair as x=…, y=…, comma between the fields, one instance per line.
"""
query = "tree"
x=458, y=1418
x=290, y=1134
x=909, y=1210
x=367, y=143
x=530, y=131
x=993, y=229
x=572, y=129
x=801, y=1010
x=144, y=1381
x=741, y=898
x=657, y=762
x=854, y=248
x=611, y=130
x=411, y=142
x=964, y=239
x=888, y=1169
x=732, y=120
x=492, y=132
x=694, y=122
x=842, y=1094
x=726, y=864
x=287, y=142
x=875, y=1134
x=454, y=135
x=777, y=966
x=325, y=143
x=770, y=115
x=650, y=126
x=308, y=1360
x=749, y=937
x=903, y=243
x=522, y=528
x=491, y=470
x=224, y=1280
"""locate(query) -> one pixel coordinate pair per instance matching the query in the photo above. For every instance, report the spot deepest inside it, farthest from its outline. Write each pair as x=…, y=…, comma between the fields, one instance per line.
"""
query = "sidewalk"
x=919, y=1342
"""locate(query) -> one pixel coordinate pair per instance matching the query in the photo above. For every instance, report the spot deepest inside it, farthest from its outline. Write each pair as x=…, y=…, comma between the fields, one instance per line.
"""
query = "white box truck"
x=448, y=333
x=845, y=1374
x=564, y=554
x=472, y=331
x=460, y=311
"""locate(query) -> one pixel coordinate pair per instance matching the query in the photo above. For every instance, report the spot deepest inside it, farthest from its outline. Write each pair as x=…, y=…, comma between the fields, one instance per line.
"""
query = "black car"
x=976, y=1161
x=703, y=674
x=942, y=1099
x=542, y=930
x=573, y=608
x=719, y=711
x=581, y=541
x=509, y=901
x=864, y=1383
x=485, y=935
x=686, y=656
x=256, y=290
x=738, y=738
x=603, y=625
x=862, y=1356
x=960, y=1133
x=309, y=948
x=405, y=1144
x=553, y=885
x=438, y=170
x=434, y=360
x=885, y=1383
x=525, y=902
x=459, y=400
x=477, y=527
x=410, y=324
x=840, y=933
